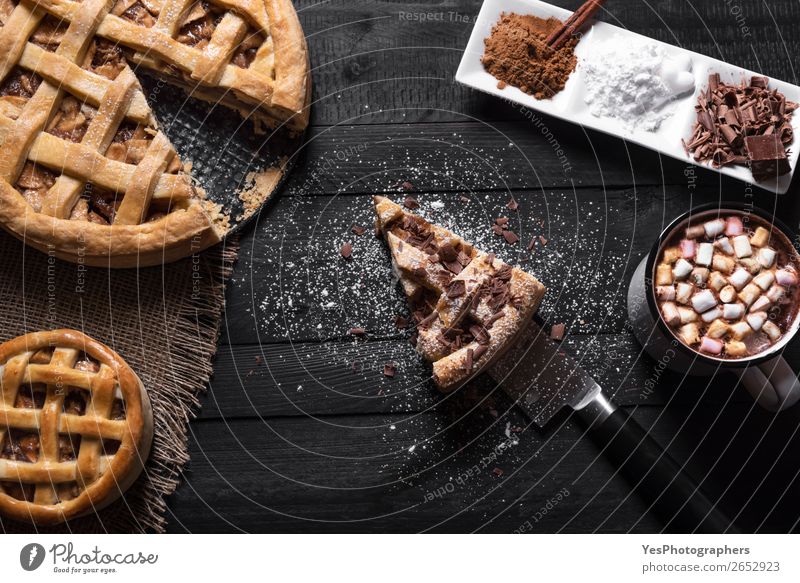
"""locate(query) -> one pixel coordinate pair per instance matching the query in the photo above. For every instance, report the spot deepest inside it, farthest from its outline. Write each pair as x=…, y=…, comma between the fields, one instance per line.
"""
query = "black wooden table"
x=301, y=431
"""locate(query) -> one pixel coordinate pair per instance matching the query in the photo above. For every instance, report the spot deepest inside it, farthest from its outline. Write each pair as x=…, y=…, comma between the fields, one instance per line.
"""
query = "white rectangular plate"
x=569, y=103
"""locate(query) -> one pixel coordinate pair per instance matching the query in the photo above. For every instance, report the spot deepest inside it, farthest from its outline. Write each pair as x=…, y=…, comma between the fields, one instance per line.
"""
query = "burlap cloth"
x=163, y=321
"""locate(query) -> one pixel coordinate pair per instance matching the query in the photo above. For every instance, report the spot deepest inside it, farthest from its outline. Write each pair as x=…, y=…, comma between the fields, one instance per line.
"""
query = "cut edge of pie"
x=77, y=426
x=468, y=306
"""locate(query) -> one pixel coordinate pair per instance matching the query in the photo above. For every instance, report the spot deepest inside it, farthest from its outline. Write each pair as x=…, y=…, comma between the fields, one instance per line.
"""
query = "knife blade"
x=542, y=379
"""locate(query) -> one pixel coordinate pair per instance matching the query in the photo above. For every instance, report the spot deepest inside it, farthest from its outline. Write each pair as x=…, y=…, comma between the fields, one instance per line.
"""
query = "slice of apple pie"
x=468, y=305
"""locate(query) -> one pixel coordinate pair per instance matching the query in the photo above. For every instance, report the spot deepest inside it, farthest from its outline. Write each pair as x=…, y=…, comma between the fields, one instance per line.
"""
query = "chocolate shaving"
x=410, y=203
x=357, y=332
x=727, y=116
x=510, y=237
x=346, y=250
x=428, y=320
x=389, y=370
x=479, y=334
x=456, y=289
x=557, y=331
x=468, y=362
x=479, y=351
x=358, y=229
x=512, y=204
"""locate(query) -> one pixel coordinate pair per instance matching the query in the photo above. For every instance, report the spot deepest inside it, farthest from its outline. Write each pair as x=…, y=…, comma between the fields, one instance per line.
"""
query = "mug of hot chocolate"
x=720, y=290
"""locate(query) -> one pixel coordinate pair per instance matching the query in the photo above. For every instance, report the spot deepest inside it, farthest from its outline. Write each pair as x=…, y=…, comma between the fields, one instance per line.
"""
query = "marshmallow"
x=734, y=226
x=687, y=314
x=665, y=293
x=740, y=278
x=703, y=301
x=750, y=264
x=711, y=315
x=682, y=269
x=710, y=345
x=717, y=281
x=766, y=256
x=786, y=277
x=756, y=320
x=776, y=293
x=741, y=245
x=690, y=334
x=695, y=232
x=688, y=248
x=764, y=280
x=663, y=274
x=735, y=349
x=727, y=294
x=683, y=293
x=732, y=311
x=714, y=228
x=760, y=304
x=717, y=329
x=740, y=330
x=771, y=330
x=670, y=314
x=699, y=276
x=705, y=252
x=760, y=237
x=723, y=263
x=724, y=245
x=672, y=254
x=749, y=294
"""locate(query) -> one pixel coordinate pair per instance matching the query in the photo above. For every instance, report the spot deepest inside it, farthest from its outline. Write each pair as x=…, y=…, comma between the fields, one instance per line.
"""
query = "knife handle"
x=653, y=473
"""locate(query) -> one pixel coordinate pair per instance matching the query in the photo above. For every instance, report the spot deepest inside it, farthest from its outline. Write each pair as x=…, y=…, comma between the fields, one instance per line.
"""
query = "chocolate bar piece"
x=767, y=156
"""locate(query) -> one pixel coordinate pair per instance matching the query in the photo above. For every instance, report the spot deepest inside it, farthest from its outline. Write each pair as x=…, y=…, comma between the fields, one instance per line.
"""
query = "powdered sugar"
x=635, y=82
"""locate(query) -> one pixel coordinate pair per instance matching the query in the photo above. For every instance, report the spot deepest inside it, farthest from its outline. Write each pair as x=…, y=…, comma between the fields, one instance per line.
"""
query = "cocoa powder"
x=516, y=54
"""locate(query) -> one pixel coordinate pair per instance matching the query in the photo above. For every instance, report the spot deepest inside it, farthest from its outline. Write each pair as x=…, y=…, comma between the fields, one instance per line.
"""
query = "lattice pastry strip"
x=57, y=466
x=469, y=305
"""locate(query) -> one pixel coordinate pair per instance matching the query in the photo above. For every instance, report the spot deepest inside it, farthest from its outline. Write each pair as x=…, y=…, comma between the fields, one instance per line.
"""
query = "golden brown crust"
x=135, y=439
x=481, y=276
x=176, y=235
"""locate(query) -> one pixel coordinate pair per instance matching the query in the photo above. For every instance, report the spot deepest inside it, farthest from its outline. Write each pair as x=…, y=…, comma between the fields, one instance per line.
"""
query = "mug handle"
x=773, y=384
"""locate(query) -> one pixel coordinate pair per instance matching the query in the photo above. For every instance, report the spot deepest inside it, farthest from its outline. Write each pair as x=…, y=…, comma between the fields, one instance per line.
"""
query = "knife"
x=542, y=379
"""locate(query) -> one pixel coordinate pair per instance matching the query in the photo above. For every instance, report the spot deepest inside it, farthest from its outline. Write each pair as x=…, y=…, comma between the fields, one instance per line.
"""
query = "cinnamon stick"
x=574, y=23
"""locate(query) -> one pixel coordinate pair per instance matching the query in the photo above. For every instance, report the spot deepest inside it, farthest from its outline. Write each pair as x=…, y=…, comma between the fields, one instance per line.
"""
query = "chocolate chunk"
x=410, y=203
x=542, y=240
x=557, y=331
x=447, y=252
x=358, y=229
x=389, y=370
x=357, y=332
x=346, y=250
x=464, y=199
x=453, y=266
x=767, y=156
x=456, y=289
x=512, y=204
x=468, y=362
x=478, y=352
x=407, y=185
x=510, y=237
x=502, y=221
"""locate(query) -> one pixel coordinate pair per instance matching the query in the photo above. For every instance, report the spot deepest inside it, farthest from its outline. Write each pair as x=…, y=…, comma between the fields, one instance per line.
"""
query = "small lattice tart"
x=75, y=426
x=468, y=306
x=85, y=172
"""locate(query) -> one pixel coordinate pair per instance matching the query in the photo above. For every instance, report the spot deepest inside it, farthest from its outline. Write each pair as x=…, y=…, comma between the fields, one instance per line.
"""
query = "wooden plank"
x=373, y=56
x=291, y=282
x=532, y=154
x=319, y=379
x=360, y=473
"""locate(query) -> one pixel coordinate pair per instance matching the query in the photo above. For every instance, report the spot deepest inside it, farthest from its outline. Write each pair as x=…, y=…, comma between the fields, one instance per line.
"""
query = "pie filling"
x=447, y=259
x=25, y=446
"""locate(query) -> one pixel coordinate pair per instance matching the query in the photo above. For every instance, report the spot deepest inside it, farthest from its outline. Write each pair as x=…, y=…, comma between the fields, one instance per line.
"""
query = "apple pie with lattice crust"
x=75, y=426
x=468, y=306
x=85, y=173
